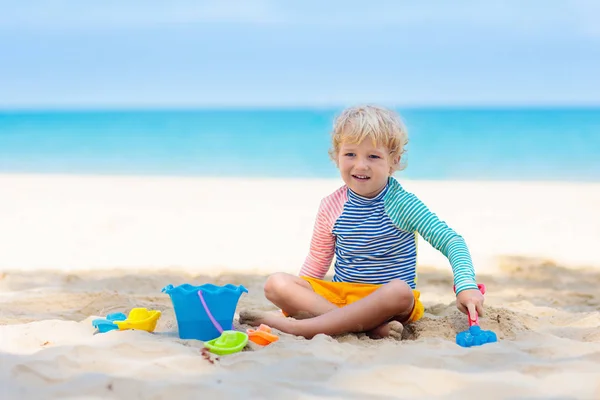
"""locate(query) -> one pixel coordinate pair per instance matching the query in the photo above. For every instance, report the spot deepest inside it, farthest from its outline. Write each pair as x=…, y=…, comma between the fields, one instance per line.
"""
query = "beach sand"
x=75, y=248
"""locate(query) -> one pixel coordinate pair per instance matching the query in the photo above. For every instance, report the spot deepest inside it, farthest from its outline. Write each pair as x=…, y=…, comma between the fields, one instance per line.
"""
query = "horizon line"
x=273, y=107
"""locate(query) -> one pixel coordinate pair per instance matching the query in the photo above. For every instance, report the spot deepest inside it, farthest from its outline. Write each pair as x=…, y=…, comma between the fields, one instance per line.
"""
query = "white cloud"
x=587, y=17
x=511, y=16
x=66, y=14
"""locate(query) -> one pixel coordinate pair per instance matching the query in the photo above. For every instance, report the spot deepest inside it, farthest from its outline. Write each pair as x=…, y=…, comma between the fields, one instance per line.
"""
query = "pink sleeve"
x=322, y=244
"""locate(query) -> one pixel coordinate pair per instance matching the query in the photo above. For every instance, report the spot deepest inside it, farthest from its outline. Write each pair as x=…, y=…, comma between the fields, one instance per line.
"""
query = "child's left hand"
x=468, y=297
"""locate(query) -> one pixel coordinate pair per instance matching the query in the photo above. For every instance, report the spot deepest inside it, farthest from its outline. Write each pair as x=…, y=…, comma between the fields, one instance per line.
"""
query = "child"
x=370, y=225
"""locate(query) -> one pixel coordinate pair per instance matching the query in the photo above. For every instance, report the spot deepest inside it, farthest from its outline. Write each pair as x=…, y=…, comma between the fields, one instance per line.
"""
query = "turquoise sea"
x=491, y=144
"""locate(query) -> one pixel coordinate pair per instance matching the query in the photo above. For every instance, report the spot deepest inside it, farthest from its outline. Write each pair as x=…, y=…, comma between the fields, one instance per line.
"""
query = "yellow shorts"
x=343, y=293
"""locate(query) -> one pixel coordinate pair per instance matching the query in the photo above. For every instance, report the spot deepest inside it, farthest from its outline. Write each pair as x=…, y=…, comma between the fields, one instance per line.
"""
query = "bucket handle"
x=210, y=316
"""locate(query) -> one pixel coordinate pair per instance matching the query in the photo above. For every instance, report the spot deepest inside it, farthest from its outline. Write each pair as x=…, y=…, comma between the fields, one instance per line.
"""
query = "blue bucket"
x=204, y=311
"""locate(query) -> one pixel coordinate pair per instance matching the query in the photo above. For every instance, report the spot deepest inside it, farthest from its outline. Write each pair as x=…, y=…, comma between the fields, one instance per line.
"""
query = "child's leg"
x=392, y=300
x=295, y=296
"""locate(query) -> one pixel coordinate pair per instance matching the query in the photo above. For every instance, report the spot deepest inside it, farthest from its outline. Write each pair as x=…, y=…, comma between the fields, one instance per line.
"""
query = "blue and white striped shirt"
x=375, y=240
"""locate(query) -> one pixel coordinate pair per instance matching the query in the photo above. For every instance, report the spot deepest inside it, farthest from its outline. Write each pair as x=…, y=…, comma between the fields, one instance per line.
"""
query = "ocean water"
x=462, y=144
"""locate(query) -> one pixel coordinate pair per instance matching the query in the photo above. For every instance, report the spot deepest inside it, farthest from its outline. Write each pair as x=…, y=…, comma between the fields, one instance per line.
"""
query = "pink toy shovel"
x=475, y=336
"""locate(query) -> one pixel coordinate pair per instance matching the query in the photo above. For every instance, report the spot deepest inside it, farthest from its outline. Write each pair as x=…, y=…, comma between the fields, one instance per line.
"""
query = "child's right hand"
x=470, y=298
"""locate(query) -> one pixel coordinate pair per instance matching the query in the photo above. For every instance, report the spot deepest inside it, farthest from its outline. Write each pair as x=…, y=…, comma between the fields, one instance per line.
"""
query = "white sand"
x=74, y=248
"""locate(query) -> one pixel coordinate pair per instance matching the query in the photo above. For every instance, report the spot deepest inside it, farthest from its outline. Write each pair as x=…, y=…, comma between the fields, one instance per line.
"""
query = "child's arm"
x=415, y=216
x=322, y=244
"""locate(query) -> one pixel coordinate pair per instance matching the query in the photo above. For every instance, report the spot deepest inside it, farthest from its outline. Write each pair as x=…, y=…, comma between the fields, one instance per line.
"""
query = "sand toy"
x=228, y=343
x=104, y=325
x=203, y=311
x=140, y=319
x=262, y=336
x=475, y=336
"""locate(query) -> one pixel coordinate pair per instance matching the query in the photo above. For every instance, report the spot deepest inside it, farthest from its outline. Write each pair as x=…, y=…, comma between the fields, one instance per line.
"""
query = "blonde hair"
x=381, y=125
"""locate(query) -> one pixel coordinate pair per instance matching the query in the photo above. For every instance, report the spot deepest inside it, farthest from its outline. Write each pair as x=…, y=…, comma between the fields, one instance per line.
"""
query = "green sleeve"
x=411, y=215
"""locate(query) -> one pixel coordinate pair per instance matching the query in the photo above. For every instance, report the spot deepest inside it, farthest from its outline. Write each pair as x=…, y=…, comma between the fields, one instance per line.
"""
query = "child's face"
x=365, y=168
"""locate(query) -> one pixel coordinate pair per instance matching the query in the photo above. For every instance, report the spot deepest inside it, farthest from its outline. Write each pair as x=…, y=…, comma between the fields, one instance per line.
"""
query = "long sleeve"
x=322, y=247
x=413, y=215
x=322, y=244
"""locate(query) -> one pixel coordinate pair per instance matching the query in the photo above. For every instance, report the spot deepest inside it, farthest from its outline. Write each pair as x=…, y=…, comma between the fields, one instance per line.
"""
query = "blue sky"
x=76, y=53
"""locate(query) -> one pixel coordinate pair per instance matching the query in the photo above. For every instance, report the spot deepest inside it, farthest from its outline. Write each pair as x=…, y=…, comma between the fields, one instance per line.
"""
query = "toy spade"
x=475, y=336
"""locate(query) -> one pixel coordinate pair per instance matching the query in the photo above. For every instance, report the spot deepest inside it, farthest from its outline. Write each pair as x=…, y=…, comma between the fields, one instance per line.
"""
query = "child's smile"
x=365, y=168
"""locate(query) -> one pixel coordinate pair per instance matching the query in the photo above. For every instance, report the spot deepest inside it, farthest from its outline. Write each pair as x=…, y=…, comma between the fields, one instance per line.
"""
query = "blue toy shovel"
x=475, y=336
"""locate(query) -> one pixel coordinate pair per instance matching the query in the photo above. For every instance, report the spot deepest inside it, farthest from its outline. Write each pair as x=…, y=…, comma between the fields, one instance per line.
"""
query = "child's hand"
x=470, y=297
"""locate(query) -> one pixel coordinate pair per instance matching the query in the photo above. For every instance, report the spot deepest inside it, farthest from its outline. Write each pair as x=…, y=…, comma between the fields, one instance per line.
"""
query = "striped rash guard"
x=375, y=240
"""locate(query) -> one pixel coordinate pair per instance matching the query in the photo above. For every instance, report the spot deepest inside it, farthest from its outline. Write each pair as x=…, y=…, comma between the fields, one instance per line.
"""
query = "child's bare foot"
x=255, y=318
x=251, y=317
x=392, y=329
